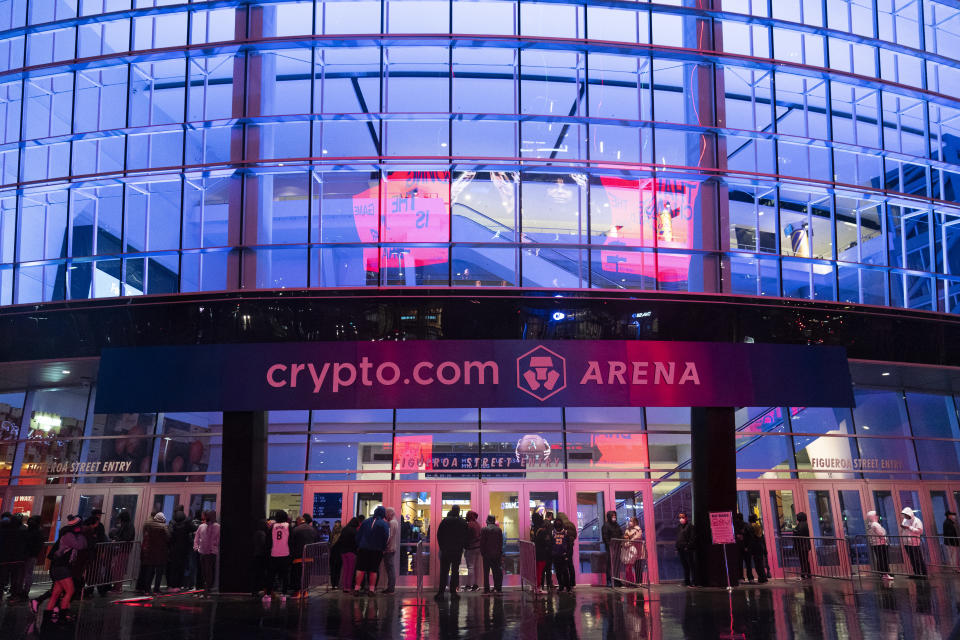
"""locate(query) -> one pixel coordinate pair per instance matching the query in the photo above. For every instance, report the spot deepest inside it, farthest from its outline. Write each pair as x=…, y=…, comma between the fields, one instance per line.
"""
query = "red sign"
x=416, y=210
x=650, y=213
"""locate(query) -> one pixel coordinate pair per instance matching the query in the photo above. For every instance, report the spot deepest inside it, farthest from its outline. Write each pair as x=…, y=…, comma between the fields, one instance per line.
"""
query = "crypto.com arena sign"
x=470, y=373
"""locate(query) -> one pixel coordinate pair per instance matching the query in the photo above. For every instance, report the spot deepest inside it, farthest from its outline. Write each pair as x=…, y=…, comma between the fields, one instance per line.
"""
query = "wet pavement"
x=818, y=609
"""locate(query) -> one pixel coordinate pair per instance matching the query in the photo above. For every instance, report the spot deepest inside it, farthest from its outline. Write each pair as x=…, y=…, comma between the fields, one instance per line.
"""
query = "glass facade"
x=891, y=434
x=792, y=149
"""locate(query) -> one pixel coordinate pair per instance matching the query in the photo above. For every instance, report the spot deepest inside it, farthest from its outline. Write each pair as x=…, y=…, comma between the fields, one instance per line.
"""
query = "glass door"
x=503, y=503
x=465, y=496
x=784, y=504
x=417, y=524
x=750, y=503
x=49, y=505
x=590, y=504
x=635, y=500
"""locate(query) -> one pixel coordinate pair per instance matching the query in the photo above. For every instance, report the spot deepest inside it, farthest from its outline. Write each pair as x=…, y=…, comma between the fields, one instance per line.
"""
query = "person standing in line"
x=34, y=547
x=194, y=571
x=548, y=577
x=303, y=534
x=571, y=530
x=371, y=542
x=72, y=541
x=346, y=550
x=491, y=550
x=542, y=543
x=610, y=531
x=801, y=533
x=123, y=531
x=471, y=551
x=756, y=546
x=560, y=548
x=279, y=560
x=206, y=543
x=913, y=540
x=180, y=547
x=451, y=539
x=951, y=540
x=16, y=543
x=630, y=554
x=390, y=553
x=686, y=546
x=260, y=549
x=743, y=534
x=154, y=554
x=877, y=539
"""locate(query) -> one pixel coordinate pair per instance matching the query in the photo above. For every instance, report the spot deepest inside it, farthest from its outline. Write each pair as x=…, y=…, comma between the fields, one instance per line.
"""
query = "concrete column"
x=243, y=495
x=714, y=461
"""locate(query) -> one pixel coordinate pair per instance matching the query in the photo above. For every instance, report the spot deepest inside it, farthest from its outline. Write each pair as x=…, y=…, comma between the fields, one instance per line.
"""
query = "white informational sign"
x=721, y=527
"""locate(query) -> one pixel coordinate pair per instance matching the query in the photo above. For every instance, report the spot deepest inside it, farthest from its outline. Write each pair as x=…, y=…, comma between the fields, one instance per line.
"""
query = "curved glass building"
x=227, y=172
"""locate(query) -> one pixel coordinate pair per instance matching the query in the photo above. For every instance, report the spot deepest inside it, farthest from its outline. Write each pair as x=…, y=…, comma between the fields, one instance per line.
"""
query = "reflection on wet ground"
x=819, y=609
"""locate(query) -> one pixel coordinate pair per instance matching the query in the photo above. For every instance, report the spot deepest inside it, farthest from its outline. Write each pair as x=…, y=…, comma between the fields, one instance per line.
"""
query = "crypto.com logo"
x=541, y=373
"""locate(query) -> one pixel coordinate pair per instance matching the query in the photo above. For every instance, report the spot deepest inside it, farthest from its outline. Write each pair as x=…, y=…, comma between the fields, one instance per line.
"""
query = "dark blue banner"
x=481, y=373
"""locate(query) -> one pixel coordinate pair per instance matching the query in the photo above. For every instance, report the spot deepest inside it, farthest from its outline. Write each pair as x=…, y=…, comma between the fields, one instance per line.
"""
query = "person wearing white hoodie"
x=912, y=529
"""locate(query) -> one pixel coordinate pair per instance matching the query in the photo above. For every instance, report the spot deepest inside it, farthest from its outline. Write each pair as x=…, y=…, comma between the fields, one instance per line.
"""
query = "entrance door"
x=48, y=503
x=111, y=501
x=195, y=498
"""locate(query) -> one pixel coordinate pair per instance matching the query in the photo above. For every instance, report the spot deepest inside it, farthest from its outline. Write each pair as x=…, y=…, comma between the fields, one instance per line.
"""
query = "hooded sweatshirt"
x=491, y=541
x=913, y=530
x=611, y=529
x=473, y=531
x=374, y=531
x=452, y=532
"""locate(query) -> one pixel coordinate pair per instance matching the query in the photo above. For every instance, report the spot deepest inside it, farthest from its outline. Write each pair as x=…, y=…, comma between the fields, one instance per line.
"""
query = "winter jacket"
x=155, y=549
x=302, y=535
x=374, y=531
x=393, y=541
x=686, y=537
x=35, y=540
x=912, y=532
x=207, y=539
x=802, y=530
x=123, y=532
x=180, y=532
x=347, y=542
x=950, y=534
x=491, y=541
x=542, y=541
x=876, y=534
x=611, y=531
x=452, y=534
x=473, y=533
x=569, y=526
x=16, y=542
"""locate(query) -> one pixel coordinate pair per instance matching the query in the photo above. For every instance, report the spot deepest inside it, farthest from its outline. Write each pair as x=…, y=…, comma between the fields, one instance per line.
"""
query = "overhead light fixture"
x=65, y=372
x=866, y=428
x=885, y=373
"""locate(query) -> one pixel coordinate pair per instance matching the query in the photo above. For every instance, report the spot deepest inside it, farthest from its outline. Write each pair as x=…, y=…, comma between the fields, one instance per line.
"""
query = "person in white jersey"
x=279, y=562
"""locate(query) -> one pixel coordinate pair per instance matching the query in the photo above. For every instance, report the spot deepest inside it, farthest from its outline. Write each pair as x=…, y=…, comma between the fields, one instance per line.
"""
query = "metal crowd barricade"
x=819, y=557
x=908, y=555
x=528, y=564
x=314, y=566
x=112, y=563
x=627, y=562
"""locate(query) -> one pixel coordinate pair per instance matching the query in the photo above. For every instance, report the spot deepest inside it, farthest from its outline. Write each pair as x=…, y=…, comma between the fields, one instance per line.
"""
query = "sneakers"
x=888, y=577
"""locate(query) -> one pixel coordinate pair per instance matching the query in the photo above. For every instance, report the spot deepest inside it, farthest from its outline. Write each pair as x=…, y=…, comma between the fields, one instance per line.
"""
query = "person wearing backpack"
x=72, y=542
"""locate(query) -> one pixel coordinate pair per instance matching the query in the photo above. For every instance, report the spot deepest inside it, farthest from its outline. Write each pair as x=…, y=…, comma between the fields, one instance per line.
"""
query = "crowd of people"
x=183, y=552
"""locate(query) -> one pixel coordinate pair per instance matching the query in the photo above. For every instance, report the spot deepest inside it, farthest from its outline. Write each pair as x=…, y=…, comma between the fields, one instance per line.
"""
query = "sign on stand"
x=721, y=527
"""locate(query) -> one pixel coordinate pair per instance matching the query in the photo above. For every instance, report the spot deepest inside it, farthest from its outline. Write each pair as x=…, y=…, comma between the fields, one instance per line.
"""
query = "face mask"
x=683, y=521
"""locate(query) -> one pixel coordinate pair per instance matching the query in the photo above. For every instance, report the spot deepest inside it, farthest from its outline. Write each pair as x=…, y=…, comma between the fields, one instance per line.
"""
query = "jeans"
x=915, y=553
x=748, y=564
x=390, y=568
x=472, y=556
x=804, y=554
x=449, y=569
x=560, y=566
x=176, y=570
x=493, y=564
